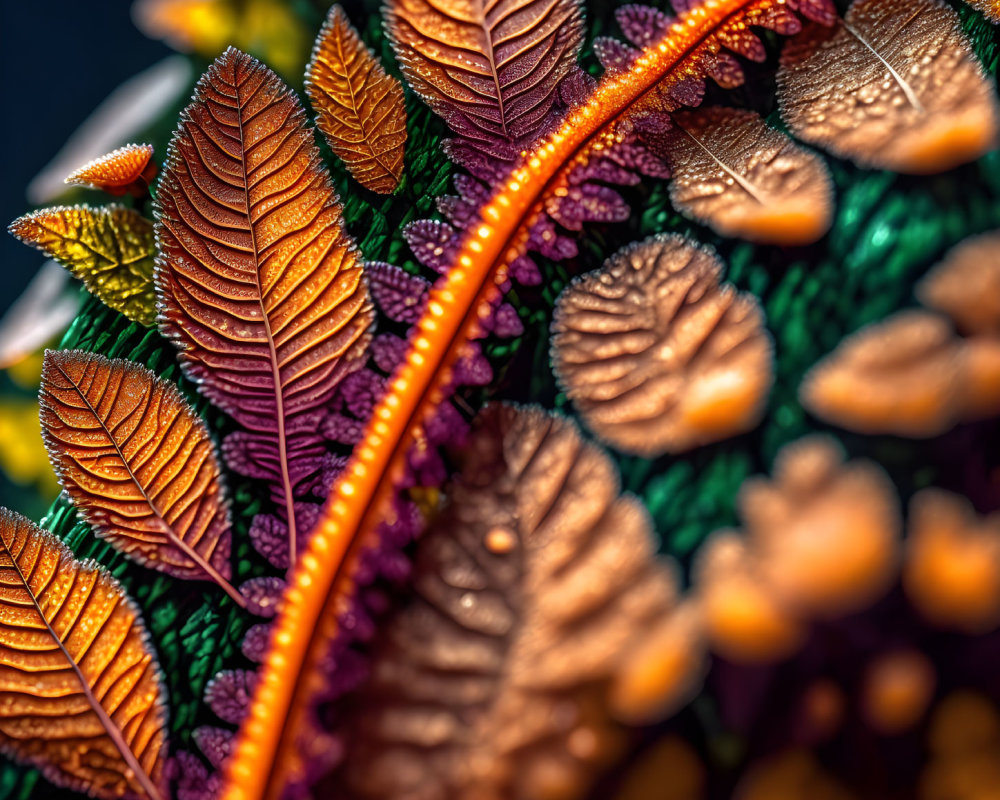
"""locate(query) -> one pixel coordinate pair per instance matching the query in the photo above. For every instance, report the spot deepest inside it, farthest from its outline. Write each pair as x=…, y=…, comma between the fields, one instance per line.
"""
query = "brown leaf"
x=260, y=285
x=127, y=169
x=902, y=376
x=742, y=178
x=535, y=588
x=358, y=106
x=966, y=285
x=82, y=699
x=658, y=356
x=490, y=70
x=894, y=86
x=138, y=463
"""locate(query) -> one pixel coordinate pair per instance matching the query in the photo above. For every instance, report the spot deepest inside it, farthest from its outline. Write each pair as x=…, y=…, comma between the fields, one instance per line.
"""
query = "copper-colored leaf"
x=966, y=285
x=826, y=532
x=260, y=285
x=358, y=106
x=82, y=699
x=742, y=178
x=991, y=8
x=656, y=354
x=952, y=568
x=128, y=168
x=535, y=587
x=894, y=85
x=490, y=70
x=138, y=463
x=903, y=376
x=110, y=249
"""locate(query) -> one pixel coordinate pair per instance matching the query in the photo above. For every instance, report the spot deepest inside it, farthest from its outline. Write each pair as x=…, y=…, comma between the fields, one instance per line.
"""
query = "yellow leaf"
x=82, y=696
x=110, y=249
x=358, y=107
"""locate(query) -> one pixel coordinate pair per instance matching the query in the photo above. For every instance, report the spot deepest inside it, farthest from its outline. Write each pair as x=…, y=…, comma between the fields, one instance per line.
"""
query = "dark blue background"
x=58, y=61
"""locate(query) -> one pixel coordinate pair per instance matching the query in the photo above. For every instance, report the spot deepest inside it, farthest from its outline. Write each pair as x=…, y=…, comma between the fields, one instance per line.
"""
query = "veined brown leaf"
x=127, y=169
x=110, y=249
x=260, y=285
x=534, y=591
x=742, y=178
x=894, y=85
x=489, y=69
x=138, y=463
x=82, y=699
x=656, y=355
x=358, y=106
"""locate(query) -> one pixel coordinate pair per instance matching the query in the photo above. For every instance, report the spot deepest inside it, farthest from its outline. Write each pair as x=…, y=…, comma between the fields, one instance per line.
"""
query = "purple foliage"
x=642, y=25
x=228, y=694
x=263, y=595
x=398, y=294
x=388, y=351
x=254, y=645
x=215, y=743
x=269, y=537
x=194, y=782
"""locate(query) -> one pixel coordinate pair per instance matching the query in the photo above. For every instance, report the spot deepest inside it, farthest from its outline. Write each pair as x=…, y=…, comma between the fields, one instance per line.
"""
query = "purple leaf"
x=400, y=295
x=262, y=596
x=642, y=25
x=255, y=642
x=215, y=743
x=432, y=243
x=228, y=694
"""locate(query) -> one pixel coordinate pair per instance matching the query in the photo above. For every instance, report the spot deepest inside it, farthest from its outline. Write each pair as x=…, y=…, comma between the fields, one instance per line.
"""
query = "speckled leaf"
x=138, y=463
x=894, y=85
x=127, y=169
x=110, y=249
x=260, y=285
x=358, y=106
x=733, y=172
x=82, y=695
x=536, y=585
x=490, y=70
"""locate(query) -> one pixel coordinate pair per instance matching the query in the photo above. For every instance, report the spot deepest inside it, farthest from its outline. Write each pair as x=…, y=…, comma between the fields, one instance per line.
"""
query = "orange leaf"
x=990, y=8
x=127, y=169
x=733, y=172
x=82, y=696
x=893, y=85
x=138, y=463
x=358, y=107
x=260, y=286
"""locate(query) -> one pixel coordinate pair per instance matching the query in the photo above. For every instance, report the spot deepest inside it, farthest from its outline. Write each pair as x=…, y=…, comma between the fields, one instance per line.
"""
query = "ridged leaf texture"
x=533, y=590
x=138, y=463
x=82, y=699
x=742, y=178
x=894, y=85
x=359, y=108
x=260, y=285
x=129, y=168
x=489, y=69
x=110, y=249
x=657, y=354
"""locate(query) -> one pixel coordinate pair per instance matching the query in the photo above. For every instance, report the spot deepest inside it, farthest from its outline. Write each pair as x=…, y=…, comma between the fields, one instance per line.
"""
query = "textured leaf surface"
x=894, y=85
x=82, y=696
x=534, y=588
x=991, y=8
x=733, y=172
x=656, y=355
x=489, y=69
x=119, y=171
x=110, y=249
x=261, y=286
x=138, y=462
x=358, y=106
x=966, y=285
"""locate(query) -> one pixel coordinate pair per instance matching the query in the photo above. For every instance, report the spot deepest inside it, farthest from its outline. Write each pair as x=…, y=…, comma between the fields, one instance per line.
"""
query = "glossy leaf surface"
x=656, y=354
x=733, y=172
x=490, y=70
x=358, y=106
x=260, y=285
x=110, y=249
x=82, y=696
x=894, y=85
x=127, y=168
x=535, y=587
x=138, y=463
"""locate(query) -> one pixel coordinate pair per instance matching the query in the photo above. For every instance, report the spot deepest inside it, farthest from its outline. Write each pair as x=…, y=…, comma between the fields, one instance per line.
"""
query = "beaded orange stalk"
x=265, y=756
